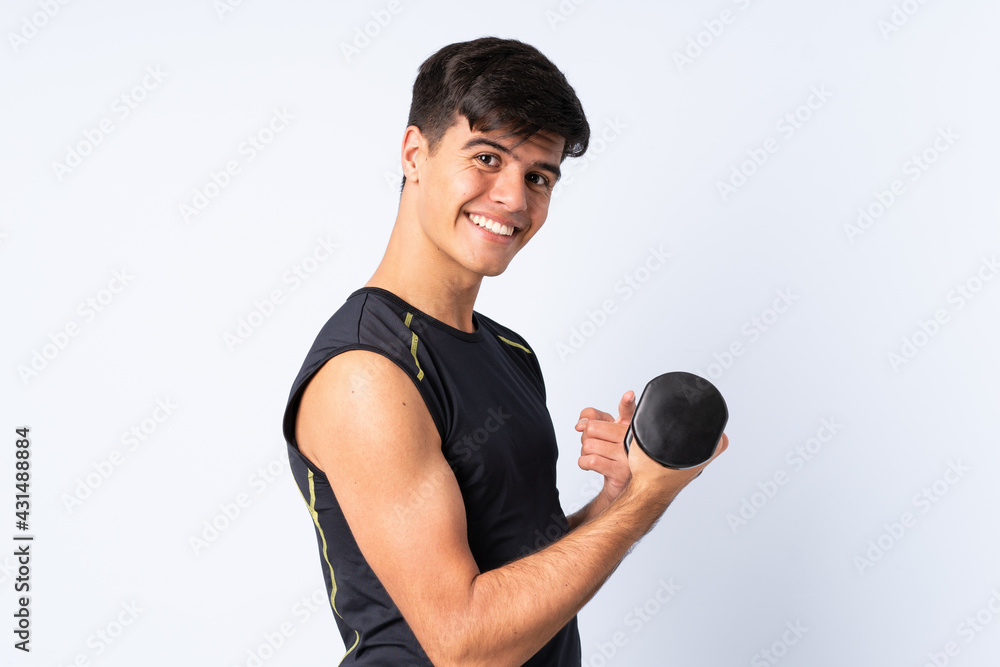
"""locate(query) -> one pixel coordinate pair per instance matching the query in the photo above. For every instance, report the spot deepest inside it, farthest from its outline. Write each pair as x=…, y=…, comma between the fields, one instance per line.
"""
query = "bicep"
x=381, y=452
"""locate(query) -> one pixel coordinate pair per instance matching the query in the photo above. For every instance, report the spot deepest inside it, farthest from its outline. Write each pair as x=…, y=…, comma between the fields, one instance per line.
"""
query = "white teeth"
x=495, y=227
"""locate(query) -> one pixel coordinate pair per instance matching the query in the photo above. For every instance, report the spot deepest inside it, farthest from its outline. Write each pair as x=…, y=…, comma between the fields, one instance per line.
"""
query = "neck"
x=420, y=273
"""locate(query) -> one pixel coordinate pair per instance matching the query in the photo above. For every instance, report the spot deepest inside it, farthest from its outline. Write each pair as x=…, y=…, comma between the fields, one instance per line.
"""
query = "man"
x=417, y=429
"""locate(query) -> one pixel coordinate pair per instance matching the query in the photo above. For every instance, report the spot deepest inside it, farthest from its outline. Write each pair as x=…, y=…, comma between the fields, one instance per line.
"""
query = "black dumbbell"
x=678, y=420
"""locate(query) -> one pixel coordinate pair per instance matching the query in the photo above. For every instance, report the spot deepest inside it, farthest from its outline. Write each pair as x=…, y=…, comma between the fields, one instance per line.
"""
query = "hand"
x=603, y=449
x=662, y=482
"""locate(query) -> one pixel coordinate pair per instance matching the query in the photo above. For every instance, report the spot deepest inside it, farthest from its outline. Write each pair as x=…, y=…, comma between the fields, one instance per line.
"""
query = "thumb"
x=626, y=407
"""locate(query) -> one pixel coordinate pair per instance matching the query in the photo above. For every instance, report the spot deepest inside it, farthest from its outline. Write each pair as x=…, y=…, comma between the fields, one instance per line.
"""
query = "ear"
x=413, y=153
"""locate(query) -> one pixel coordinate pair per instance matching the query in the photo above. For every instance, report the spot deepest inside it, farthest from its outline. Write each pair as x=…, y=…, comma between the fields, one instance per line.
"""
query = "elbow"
x=453, y=645
x=458, y=655
x=466, y=639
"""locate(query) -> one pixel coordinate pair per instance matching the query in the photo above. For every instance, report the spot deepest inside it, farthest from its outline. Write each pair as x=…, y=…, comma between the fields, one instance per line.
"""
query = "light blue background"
x=672, y=134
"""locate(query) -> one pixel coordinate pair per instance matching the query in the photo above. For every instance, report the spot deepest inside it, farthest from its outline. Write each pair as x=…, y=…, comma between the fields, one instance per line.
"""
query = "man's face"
x=475, y=184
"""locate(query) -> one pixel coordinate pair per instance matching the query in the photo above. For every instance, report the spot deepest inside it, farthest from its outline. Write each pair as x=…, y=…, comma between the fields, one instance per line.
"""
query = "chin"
x=486, y=266
x=490, y=270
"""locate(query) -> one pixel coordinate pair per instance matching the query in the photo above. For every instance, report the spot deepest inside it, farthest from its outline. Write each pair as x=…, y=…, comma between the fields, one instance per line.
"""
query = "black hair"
x=497, y=84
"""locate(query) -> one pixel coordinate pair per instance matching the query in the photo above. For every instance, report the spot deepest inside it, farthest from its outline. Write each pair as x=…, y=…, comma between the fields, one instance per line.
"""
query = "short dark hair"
x=497, y=84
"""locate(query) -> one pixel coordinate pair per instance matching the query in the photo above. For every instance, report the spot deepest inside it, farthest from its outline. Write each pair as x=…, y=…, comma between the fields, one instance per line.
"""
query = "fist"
x=660, y=481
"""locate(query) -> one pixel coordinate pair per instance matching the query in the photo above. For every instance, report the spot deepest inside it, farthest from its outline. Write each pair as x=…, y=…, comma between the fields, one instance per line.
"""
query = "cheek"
x=464, y=184
x=539, y=209
x=452, y=191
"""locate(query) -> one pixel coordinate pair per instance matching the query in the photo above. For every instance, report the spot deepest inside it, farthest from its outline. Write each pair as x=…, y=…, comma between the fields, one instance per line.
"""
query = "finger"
x=606, y=467
x=626, y=407
x=601, y=430
x=611, y=450
x=597, y=463
x=594, y=413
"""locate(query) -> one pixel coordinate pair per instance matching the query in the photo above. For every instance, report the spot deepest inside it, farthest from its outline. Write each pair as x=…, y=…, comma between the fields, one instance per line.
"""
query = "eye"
x=488, y=157
x=538, y=179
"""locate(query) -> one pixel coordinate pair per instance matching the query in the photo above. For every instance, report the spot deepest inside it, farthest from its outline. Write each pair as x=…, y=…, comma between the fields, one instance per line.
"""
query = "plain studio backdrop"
x=795, y=200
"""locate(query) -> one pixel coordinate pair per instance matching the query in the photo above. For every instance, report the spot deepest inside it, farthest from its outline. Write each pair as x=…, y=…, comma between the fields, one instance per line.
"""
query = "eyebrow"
x=483, y=141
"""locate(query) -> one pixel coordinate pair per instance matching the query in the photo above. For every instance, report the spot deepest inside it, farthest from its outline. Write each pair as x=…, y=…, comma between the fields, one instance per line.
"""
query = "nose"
x=510, y=189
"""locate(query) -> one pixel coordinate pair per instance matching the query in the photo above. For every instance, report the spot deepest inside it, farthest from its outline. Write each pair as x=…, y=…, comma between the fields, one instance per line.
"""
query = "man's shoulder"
x=504, y=334
x=367, y=319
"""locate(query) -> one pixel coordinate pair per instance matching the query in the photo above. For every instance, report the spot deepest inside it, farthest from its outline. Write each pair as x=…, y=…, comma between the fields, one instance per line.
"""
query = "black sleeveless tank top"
x=486, y=395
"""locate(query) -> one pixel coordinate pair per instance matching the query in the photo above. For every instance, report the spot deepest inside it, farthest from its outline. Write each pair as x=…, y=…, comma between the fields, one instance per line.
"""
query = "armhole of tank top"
x=297, y=397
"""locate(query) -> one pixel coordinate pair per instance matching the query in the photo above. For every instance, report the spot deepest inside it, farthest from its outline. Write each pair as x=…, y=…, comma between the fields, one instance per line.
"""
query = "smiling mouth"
x=491, y=225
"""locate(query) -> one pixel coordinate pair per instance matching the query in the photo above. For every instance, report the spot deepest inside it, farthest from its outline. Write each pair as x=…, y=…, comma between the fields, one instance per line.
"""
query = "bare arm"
x=381, y=452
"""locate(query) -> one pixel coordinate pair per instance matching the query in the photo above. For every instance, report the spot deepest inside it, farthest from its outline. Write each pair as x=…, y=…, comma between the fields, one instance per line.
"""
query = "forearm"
x=598, y=504
x=514, y=610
